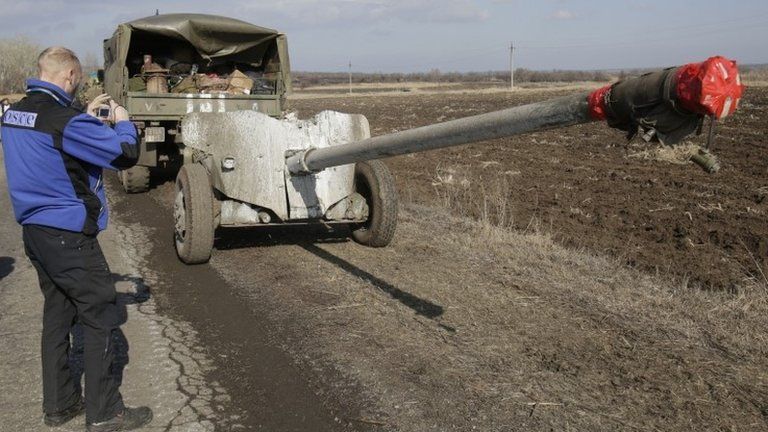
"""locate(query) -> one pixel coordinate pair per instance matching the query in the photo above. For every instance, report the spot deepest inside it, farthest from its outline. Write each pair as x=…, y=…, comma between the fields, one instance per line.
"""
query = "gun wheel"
x=193, y=215
x=375, y=183
x=135, y=179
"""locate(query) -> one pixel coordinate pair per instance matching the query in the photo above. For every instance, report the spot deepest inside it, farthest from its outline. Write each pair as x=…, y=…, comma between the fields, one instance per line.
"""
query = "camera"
x=103, y=112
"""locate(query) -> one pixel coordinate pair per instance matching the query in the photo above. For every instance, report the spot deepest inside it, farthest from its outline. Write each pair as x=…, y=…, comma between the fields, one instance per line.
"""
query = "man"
x=54, y=156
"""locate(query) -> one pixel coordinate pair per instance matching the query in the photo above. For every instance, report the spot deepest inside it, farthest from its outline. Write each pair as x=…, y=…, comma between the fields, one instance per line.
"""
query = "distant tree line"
x=306, y=79
x=754, y=72
x=309, y=79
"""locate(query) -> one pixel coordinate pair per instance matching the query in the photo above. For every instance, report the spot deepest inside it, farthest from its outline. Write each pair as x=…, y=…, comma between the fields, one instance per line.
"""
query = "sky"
x=449, y=35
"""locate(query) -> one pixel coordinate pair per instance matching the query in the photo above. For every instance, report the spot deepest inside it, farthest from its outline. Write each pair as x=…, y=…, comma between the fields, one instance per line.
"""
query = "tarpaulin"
x=212, y=36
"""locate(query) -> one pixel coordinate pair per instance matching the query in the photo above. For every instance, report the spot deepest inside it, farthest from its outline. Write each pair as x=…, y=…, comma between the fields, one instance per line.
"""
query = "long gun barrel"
x=663, y=106
x=560, y=112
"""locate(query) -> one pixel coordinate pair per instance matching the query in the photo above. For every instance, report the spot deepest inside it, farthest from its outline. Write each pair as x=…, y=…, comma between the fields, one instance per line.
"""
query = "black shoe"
x=61, y=417
x=129, y=419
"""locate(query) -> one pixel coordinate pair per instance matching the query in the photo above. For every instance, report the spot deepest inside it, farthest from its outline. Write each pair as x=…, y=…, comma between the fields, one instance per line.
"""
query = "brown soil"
x=581, y=185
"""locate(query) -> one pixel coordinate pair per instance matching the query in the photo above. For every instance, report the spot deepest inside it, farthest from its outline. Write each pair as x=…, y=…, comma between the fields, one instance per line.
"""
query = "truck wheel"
x=374, y=182
x=193, y=214
x=135, y=179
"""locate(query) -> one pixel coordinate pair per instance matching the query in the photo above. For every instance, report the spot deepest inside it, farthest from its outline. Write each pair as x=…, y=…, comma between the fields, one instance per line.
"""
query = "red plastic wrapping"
x=596, y=101
x=712, y=87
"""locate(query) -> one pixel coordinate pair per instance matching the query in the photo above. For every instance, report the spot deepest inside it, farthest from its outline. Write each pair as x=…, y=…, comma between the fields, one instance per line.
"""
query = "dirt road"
x=158, y=359
x=267, y=390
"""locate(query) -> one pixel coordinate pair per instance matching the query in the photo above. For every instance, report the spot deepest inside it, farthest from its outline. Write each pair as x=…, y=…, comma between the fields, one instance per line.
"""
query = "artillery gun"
x=245, y=168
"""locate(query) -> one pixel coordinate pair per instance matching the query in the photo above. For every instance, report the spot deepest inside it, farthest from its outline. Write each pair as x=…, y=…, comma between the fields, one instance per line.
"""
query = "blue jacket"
x=54, y=155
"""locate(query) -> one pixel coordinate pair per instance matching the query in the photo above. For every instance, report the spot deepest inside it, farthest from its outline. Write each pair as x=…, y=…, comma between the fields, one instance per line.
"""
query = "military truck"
x=164, y=67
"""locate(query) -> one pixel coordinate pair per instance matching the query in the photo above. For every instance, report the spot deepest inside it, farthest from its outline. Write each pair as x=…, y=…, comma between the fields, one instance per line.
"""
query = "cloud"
x=367, y=12
x=25, y=16
x=642, y=6
x=562, y=14
x=457, y=12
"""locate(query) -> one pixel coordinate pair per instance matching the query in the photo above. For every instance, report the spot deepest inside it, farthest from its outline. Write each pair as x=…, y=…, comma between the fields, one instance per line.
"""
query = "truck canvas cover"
x=186, y=46
x=212, y=36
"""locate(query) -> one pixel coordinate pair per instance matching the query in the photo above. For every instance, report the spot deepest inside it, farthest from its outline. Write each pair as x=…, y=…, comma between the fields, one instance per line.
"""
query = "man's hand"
x=119, y=113
x=98, y=101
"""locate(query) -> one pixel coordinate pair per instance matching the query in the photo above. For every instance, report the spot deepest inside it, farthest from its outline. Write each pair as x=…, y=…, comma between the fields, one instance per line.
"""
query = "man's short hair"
x=56, y=58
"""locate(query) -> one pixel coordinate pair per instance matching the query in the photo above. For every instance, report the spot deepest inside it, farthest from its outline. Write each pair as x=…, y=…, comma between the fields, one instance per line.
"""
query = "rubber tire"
x=135, y=179
x=375, y=182
x=194, y=245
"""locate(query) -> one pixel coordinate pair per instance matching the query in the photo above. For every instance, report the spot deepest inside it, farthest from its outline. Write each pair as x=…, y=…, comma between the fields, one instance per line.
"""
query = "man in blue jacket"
x=54, y=156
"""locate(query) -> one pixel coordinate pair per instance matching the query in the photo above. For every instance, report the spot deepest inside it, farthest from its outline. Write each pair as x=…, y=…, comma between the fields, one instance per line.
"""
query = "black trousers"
x=77, y=286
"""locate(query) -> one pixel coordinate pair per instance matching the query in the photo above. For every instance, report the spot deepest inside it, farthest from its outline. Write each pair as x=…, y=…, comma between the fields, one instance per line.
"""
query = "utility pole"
x=511, y=65
x=350, y=77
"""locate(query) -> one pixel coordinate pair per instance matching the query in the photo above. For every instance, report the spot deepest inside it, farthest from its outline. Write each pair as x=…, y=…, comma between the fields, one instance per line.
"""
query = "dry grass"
x=19, y=62
x=678, y=155
x=13, y=97
x=490, y=206
x=568, y=322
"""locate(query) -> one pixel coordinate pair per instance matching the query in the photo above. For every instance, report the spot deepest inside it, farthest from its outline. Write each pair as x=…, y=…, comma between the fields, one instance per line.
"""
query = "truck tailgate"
x=173, y=106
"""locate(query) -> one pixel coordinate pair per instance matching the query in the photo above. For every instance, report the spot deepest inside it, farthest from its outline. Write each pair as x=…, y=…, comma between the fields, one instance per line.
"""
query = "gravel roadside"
x=161, y=364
